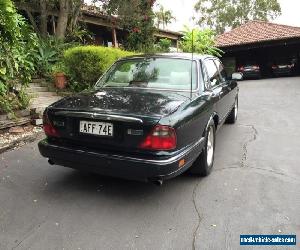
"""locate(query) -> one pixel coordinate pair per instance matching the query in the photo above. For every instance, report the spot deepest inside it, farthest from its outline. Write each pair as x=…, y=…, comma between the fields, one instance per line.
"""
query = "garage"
x=273, y=49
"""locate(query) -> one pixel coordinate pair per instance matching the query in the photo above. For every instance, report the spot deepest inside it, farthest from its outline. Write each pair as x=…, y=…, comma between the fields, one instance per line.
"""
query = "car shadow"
x=80, y=184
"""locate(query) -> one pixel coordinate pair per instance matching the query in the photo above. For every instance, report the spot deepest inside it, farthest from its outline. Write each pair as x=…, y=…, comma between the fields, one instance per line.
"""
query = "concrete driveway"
x=254, y=189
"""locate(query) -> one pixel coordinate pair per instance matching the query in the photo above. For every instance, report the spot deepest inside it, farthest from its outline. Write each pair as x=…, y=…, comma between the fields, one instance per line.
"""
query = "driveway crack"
x=27, y=235
x=246, y=144
x=198, y=215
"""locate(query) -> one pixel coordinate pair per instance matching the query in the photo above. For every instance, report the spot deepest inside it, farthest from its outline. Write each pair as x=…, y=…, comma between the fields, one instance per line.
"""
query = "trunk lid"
x=131, y=112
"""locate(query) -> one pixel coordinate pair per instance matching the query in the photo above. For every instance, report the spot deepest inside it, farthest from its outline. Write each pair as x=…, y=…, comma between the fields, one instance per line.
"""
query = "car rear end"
x=128, y=147
x=283, y=69
x=124, y=127
x=250, y=71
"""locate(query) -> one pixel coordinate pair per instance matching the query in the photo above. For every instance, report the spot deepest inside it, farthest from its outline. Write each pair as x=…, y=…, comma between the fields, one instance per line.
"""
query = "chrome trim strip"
x=106, y=117
x=168, y=161
x=119, y=157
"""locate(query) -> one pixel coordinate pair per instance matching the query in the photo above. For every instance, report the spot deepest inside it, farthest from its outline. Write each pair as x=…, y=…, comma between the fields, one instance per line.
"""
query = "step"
x=37, y=89
x=40, y=84
x=38, y=80
x=44, y=94
x=44, y=101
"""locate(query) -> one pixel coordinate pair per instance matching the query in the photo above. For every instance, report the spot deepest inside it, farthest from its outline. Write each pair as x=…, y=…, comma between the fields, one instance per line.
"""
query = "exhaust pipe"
x=50, y=162
x=157, y=181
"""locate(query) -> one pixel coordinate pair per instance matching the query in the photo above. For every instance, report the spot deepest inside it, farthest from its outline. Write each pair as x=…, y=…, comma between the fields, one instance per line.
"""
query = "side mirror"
x=237, y=76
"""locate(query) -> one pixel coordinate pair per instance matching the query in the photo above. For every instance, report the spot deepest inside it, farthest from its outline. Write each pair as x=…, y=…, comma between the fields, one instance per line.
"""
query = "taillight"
x=48, y=127
x=241, y=68
x=274, y=67
x=160, y=138
x=256, y=67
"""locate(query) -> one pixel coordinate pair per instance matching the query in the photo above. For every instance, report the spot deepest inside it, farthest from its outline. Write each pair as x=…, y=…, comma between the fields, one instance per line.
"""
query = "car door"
x=216, y=87
x=227, y=93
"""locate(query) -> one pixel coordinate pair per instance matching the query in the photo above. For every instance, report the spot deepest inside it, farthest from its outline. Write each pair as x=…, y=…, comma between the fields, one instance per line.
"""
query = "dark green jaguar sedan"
x=148, y=118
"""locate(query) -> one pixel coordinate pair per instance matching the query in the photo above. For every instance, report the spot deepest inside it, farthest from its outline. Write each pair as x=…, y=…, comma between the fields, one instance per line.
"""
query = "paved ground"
x=254, y=188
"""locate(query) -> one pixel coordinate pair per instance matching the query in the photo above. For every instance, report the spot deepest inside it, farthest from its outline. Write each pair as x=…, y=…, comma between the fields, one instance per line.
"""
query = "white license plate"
x=96, y=128
x=281, y=67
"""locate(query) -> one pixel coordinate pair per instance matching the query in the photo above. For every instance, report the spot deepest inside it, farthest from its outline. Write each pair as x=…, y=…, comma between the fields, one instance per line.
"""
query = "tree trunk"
x=43, y=18
x=63, y=16
x=32, y=21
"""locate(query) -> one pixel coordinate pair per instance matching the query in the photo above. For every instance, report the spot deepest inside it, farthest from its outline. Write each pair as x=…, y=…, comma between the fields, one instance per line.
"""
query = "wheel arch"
x=214, y=119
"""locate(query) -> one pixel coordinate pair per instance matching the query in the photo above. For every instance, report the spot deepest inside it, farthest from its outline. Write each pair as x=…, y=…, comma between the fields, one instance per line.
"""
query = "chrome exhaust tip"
x=157, y=181
x=50, y=162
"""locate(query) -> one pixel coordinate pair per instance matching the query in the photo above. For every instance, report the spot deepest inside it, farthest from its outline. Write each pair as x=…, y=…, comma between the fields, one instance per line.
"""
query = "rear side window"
x=213, y=72
x=221, y=70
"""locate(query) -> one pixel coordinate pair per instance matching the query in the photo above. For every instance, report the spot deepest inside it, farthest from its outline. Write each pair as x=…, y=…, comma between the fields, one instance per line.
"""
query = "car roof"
x=172, y=55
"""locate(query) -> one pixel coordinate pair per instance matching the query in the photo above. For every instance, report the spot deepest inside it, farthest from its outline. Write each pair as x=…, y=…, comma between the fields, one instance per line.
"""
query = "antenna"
x=192, y=63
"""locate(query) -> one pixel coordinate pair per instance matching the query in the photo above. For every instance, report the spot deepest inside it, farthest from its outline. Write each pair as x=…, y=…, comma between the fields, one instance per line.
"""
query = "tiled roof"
x=255, y=32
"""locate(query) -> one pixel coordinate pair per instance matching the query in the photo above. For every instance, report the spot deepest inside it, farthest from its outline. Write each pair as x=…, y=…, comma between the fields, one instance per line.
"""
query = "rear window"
x=158, y=73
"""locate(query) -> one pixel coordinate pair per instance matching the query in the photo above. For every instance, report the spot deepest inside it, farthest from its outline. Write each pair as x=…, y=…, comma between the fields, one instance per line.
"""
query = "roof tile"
x=257, y=31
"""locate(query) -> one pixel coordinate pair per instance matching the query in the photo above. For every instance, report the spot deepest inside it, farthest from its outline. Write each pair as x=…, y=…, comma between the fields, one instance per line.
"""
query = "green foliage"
x=24, y=99
x=85, y=64
x=135, y=16
x=48, y=52
x=59, y=67
x=11, y=101
x=220, y=14
x=16, y=62
x=199, y=41
x=163, y=17
x=163, y=45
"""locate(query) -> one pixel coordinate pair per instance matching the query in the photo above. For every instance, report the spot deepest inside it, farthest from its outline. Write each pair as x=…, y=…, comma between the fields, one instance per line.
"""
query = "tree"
x=163, y=17
x=136, y=17
x=199, y=41
x=220, y=15
x=68, y=13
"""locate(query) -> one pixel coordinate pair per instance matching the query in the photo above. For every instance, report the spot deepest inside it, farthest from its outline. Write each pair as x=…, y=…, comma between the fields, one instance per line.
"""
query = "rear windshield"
x=158, y=73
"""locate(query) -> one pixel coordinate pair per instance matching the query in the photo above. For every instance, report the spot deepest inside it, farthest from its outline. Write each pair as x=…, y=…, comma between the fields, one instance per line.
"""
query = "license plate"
x=96, y=128
x=282, y=67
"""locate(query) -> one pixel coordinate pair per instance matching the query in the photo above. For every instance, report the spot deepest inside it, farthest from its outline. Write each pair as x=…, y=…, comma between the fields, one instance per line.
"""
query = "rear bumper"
x=282, y=71
x=119, y=165
x=253, y=73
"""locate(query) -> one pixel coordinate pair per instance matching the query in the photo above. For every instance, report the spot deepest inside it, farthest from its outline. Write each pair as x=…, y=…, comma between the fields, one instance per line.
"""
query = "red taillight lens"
x=161, y=138
x=48, y=127
x=274, y=67
x=256, y=67
x=241, y=68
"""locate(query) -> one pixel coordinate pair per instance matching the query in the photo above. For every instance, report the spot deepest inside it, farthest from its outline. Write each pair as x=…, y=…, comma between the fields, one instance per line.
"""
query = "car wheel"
x=232, y=117
x=205, y=161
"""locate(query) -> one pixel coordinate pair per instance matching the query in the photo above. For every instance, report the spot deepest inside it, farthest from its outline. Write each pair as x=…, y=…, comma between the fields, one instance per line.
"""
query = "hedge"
x=85, y=64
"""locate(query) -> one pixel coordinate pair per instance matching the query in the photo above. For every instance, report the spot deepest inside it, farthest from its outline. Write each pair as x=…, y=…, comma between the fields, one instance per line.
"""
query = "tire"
x=232, y=117
x=205, y=161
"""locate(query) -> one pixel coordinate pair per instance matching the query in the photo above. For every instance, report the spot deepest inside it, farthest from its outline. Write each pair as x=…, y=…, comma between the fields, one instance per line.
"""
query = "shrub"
x=163, y=45
x=85, y=64
x=16, y=61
